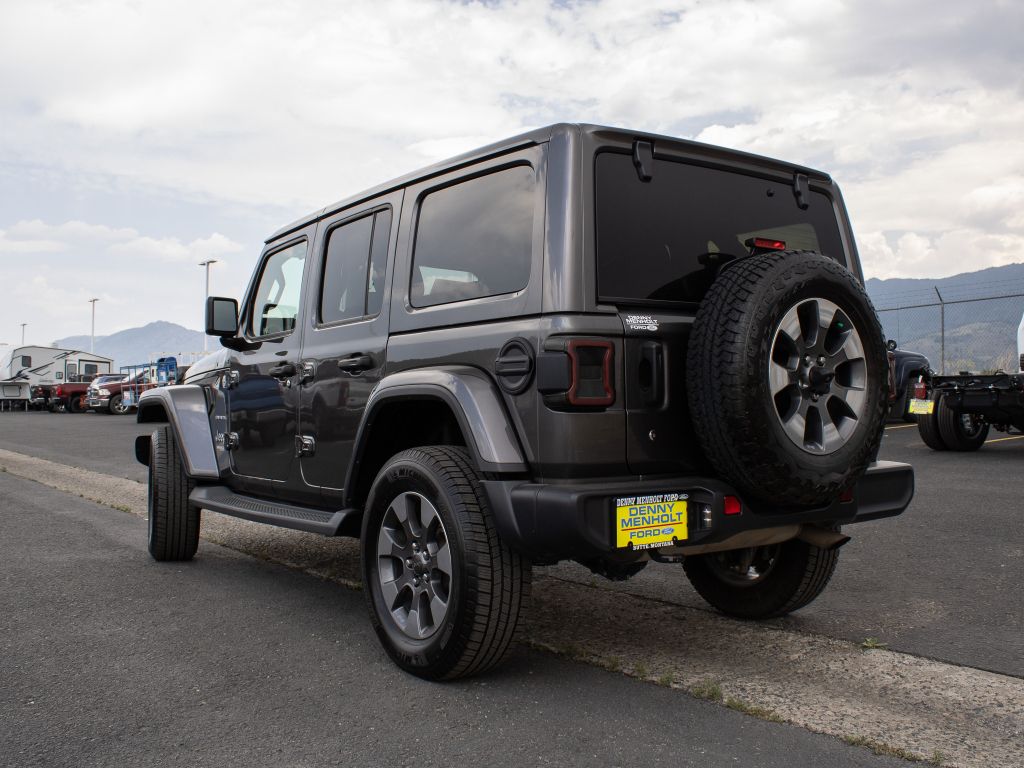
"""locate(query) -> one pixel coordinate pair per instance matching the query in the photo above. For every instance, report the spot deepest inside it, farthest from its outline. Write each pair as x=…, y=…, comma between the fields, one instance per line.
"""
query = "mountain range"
x=133, y=346
x=980, y=331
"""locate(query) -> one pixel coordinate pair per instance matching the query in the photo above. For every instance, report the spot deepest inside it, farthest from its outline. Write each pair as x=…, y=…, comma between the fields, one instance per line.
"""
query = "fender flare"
x=472, y=397
x=184, y=407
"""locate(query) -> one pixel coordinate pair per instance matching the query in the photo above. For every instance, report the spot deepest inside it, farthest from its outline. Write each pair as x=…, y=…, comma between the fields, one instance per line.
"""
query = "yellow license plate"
x=643, y=522
x=922, y=407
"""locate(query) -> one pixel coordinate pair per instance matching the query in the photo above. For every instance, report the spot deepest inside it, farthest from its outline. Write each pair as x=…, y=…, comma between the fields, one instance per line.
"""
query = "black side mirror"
x=891, y=345
x=221, y=316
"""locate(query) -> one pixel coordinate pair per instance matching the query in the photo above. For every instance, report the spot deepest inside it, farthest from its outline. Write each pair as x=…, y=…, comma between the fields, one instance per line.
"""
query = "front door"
x=344, y=347
x=262, y=394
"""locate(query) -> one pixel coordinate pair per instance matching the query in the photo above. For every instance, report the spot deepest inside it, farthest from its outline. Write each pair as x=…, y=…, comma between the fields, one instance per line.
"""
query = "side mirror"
x=891, y=345
x=221, y=316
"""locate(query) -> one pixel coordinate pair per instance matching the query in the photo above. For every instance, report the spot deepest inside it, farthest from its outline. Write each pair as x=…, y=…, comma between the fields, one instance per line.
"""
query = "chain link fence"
x=977, y=335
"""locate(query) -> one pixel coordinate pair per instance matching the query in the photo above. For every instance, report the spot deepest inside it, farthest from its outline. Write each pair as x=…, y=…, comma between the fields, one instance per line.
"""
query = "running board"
x=219, y=498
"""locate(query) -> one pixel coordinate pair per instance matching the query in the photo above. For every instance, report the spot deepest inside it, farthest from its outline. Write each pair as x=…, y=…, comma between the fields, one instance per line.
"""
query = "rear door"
x=263, y=397
x=344, y=346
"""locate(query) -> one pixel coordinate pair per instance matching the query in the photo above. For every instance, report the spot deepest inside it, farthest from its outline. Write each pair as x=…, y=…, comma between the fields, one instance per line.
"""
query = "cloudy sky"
x=140, y=138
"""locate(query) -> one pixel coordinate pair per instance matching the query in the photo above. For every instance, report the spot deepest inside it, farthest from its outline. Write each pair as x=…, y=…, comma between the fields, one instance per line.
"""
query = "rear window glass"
x=659, y=240
x=474, y=239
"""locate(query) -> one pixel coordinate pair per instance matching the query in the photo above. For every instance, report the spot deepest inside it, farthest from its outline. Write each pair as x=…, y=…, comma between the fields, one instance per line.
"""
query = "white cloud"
x=916, y=108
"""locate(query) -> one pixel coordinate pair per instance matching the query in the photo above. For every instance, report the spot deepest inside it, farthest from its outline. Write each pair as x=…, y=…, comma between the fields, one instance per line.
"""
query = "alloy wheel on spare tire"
x=445, y=595
x=788, y=377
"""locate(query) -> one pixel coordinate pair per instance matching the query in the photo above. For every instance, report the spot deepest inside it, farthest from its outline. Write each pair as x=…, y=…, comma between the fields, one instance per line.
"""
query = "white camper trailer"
x=25, y=367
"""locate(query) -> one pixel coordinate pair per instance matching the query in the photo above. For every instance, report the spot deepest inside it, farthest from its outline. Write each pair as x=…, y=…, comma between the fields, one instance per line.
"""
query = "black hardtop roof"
x=530, y=138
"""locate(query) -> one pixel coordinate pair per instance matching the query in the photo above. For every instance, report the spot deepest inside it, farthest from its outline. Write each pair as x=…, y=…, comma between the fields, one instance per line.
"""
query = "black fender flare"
x=184, y=407
x=472, y=397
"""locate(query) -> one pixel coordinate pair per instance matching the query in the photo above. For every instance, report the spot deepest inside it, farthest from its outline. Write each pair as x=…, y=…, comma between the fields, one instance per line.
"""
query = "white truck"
x=956, y=413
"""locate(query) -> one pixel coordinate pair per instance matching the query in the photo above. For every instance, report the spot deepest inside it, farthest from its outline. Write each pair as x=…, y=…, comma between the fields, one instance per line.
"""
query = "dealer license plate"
x=922, y=406
x=643, y=522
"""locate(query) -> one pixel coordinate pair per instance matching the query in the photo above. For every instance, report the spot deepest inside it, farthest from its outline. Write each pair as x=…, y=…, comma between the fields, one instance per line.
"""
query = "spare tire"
x=787, y=378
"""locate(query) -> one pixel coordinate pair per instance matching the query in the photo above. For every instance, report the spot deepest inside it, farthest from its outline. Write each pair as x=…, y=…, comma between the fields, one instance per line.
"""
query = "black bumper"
x=558, y=522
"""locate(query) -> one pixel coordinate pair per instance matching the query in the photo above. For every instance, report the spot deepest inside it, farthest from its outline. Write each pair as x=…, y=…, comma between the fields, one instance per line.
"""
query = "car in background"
x=910, y=367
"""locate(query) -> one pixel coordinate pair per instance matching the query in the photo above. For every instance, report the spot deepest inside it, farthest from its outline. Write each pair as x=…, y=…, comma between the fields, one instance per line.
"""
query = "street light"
x=206, y=264
x=92, y=335
x=23, y=334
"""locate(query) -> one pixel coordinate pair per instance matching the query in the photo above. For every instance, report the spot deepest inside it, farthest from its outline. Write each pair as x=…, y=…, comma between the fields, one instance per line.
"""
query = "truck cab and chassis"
x=581, y=343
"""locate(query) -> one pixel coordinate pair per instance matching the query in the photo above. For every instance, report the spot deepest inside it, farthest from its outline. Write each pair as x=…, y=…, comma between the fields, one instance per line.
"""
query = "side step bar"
x=222, y=499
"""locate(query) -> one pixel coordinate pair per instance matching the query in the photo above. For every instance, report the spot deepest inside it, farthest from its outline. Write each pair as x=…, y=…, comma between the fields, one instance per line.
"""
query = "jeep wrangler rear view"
x=581, y=343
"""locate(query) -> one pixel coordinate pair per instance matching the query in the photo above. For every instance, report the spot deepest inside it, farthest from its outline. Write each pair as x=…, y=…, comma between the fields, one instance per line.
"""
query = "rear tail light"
x=60, y=391
x=732, y=506
x=920, y=389
x=590, y=373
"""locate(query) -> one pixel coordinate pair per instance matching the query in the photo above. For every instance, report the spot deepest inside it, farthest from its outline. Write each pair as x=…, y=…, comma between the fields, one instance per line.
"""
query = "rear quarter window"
x=659, y=240
x=474, y=238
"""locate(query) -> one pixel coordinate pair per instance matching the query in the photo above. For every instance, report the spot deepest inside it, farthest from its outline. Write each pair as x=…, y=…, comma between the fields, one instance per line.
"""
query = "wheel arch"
x=454, y=405
x=184, y=408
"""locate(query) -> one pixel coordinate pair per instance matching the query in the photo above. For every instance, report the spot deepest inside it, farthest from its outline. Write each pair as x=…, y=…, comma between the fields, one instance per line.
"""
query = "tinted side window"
x=276, y=300
x=26, y=361
x=658, y=240
x=353, y=279
x=474, y=238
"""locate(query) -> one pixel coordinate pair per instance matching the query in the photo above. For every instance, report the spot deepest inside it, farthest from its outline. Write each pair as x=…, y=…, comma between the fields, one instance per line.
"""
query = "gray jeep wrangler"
x=581, y=343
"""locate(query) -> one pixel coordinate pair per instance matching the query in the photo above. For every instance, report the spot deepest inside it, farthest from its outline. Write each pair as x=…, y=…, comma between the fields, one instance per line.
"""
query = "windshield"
x=662, y=240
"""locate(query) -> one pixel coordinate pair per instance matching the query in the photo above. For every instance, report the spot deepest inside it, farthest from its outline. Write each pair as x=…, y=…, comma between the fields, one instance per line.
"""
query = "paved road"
x=108, y=658
x=941, y=581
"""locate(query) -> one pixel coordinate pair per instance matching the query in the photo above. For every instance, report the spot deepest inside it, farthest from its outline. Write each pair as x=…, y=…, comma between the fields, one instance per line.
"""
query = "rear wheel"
x=173, y=521
x=961, y=431
x=445, y=595
x=928, y=427
x=762, y=582
x=75, y=404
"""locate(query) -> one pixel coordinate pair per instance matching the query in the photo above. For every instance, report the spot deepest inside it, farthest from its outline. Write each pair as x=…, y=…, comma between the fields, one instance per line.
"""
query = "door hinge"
x=305, y=445
x=307, y=372
x=227, y=440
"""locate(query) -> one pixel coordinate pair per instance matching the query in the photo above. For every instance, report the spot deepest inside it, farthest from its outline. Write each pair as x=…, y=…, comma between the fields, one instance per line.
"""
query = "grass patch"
x=871, y=643
x=708, y=690
x=752, y=709
x=640, y=670
x=612, y=664
x=880, y=748
x=666, y=680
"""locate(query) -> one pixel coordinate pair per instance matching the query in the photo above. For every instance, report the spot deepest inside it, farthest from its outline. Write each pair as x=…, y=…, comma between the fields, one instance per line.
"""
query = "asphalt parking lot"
x=938, y=582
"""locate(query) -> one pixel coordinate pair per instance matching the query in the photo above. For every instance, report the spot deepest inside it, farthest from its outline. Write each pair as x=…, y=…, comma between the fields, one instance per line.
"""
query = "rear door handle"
x=356, y=363
x=282, y=371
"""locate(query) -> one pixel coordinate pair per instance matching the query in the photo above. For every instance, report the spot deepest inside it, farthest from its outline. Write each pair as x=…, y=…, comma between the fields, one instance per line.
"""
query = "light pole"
x=206, y=264
x=23, y=334
x=92, y=335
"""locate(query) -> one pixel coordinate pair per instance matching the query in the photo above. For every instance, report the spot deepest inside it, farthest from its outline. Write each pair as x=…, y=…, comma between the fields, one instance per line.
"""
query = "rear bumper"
x=558, y=522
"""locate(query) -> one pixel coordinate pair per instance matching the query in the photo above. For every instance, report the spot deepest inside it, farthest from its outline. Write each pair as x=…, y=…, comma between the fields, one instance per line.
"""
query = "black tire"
x=961, y=431
x=488, y=586
x=928, y=427
x=114, y=406
x=75, y=405
x=741, y=426
x=797, y=573
x=173, y=521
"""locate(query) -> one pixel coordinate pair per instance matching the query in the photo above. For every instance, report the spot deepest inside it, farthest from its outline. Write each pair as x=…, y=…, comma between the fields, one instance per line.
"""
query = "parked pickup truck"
x=106, y=394
x=70, y=396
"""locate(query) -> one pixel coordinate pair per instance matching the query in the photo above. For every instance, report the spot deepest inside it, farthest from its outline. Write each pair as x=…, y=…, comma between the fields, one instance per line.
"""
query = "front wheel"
x=173, y=520
x=444, y=594
x=117, y=406
x=762, y=582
